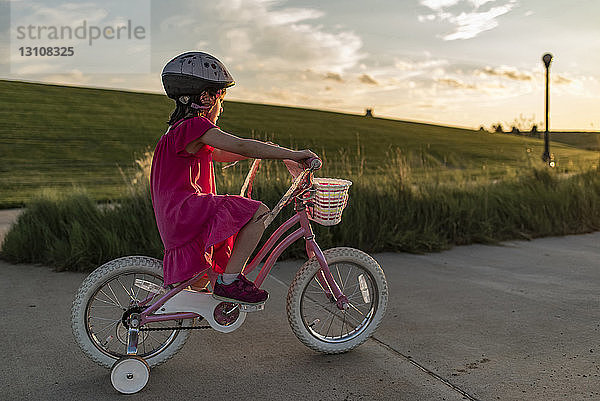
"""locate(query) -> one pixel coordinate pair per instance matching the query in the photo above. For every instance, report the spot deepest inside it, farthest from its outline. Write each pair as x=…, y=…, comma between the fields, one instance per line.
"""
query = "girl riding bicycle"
x=200, y=229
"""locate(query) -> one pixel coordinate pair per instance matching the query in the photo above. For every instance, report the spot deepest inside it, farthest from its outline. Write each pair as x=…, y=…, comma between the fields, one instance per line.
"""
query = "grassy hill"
x=59, y=137
x=583, y=140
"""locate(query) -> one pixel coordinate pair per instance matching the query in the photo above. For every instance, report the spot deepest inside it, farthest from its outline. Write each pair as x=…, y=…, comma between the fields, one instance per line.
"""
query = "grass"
x=391, y=213
x=61, y=138
x=583, y=140
x=69, y=232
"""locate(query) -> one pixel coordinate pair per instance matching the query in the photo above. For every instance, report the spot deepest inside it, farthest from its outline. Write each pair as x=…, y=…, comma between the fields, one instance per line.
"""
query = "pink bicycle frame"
x=324, y=276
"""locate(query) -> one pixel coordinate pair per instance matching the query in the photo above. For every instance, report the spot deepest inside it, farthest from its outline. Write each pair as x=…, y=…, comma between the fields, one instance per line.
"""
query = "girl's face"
x=217, y=109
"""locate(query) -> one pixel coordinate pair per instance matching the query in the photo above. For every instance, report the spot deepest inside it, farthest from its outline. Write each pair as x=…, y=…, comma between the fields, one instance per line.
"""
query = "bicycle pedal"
x=252, y=308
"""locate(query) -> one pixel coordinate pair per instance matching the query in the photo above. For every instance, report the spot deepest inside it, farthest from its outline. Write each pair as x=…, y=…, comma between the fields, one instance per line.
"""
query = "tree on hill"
x=534, y=130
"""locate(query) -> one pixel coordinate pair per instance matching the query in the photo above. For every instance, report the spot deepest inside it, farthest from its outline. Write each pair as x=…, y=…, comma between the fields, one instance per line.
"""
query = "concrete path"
x=512, y=322
x=7, y=218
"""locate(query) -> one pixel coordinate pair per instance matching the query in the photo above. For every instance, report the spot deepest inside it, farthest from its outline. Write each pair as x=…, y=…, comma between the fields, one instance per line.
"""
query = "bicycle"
x=120, y=312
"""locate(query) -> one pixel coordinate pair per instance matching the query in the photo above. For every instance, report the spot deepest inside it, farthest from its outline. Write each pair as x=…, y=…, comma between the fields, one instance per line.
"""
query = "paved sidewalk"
x=7, y=218
x=512, y=322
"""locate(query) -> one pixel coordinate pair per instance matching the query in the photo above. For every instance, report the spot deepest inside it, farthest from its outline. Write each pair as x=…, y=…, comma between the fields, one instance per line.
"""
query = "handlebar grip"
x=314, y=163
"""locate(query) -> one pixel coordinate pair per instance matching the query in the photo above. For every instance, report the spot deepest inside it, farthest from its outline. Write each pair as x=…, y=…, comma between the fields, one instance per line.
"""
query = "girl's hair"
x=191, y=108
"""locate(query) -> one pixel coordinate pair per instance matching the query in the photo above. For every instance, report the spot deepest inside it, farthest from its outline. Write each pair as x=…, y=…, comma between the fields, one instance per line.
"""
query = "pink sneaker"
x=241, y=290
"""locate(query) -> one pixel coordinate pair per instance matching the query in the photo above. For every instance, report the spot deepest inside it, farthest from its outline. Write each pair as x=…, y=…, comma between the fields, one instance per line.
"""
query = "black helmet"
x=192, y=72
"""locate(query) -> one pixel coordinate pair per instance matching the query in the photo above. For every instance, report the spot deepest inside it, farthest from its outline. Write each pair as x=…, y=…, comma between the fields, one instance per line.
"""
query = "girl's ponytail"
x=180, y=112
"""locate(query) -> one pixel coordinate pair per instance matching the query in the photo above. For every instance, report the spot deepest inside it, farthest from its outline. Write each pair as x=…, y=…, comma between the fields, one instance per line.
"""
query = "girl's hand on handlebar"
x=301, y=156
x=300, y=162
x=294, y=168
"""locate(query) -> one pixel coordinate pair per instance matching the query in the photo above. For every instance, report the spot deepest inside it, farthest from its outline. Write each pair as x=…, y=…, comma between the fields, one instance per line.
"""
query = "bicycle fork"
x=324, y=276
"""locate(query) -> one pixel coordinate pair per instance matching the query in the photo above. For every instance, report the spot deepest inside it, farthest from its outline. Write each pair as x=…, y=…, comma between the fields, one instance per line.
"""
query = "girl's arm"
x=246, y=147
x=220, y=155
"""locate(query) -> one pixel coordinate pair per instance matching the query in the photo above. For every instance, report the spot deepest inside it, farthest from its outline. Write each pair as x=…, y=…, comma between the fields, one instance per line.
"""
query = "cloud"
x=293, y=15
x=73, y=77
x=469, y=23
x=479, y=3
x=367, y=79
x=514, y=74
x=561, y=80
x=260, y=37
x=334, y=77
x=439, y=4
x=428, y=17
x=410, y=65
x=506, y=72
x=63, y=14
x=175, y=22
x=455, y=83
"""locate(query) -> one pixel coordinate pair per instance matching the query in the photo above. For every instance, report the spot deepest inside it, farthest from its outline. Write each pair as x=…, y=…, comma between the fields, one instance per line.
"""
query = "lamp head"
x=547, y=58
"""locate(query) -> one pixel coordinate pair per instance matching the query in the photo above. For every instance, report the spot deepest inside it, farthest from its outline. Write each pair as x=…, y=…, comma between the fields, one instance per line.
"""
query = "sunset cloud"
x=334, y=76
x=470, y=21
x=514, y=74
x=284, y=38
x=561, y=80
x=410, y=65
x=506, y=72
x=455, y=83
x=438, y=4
x=448, y=68
x=367, y=79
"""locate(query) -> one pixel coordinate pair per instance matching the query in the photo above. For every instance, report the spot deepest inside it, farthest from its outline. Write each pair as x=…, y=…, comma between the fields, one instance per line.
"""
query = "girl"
x=200, y=229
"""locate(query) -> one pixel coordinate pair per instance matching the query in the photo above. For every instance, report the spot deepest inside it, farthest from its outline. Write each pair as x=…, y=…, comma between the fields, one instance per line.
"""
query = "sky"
x=462, y=63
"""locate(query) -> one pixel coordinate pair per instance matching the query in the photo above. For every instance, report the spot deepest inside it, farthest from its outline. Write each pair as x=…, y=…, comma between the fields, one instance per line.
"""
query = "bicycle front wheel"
x=313, y=314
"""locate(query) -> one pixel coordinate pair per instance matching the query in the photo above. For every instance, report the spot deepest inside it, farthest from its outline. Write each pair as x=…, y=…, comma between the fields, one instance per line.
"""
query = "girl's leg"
x=246, y=241
x=201, y=283
x=197, y=285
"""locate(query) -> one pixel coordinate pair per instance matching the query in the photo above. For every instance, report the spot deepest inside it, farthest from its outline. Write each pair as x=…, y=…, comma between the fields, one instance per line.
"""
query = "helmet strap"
x=203, y=104
x=198, y=107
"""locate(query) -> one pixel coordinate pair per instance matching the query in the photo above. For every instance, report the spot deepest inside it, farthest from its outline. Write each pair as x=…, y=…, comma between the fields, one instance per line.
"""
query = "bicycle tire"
x=93, y=284
x=300, y=295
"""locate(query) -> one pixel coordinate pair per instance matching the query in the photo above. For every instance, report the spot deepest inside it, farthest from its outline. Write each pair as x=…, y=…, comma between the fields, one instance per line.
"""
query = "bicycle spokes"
x=110, y=308
x=319, y=310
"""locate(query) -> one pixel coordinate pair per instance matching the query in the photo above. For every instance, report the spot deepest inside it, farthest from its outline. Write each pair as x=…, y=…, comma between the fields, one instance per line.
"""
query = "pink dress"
x=197, y=227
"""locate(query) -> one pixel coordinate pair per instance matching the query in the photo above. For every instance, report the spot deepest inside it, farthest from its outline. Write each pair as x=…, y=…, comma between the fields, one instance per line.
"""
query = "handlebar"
x=314, y=163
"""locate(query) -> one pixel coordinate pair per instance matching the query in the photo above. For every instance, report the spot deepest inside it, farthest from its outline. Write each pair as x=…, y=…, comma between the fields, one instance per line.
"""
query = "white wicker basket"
x=330, y=200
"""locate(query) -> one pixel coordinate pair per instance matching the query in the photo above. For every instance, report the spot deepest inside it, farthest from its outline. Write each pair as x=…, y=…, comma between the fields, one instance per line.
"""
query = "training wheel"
x=130, y=374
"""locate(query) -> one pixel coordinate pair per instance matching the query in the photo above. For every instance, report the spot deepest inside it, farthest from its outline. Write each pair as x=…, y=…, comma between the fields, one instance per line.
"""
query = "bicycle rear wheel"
x=313, y=315
x=108, y=294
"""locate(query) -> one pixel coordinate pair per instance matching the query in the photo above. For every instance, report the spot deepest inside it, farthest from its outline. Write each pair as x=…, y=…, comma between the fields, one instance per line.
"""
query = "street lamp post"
x=547, y=59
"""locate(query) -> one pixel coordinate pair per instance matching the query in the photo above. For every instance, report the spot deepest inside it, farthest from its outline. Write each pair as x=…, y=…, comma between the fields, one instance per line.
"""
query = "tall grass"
x=71, y=232
x=393, y=207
